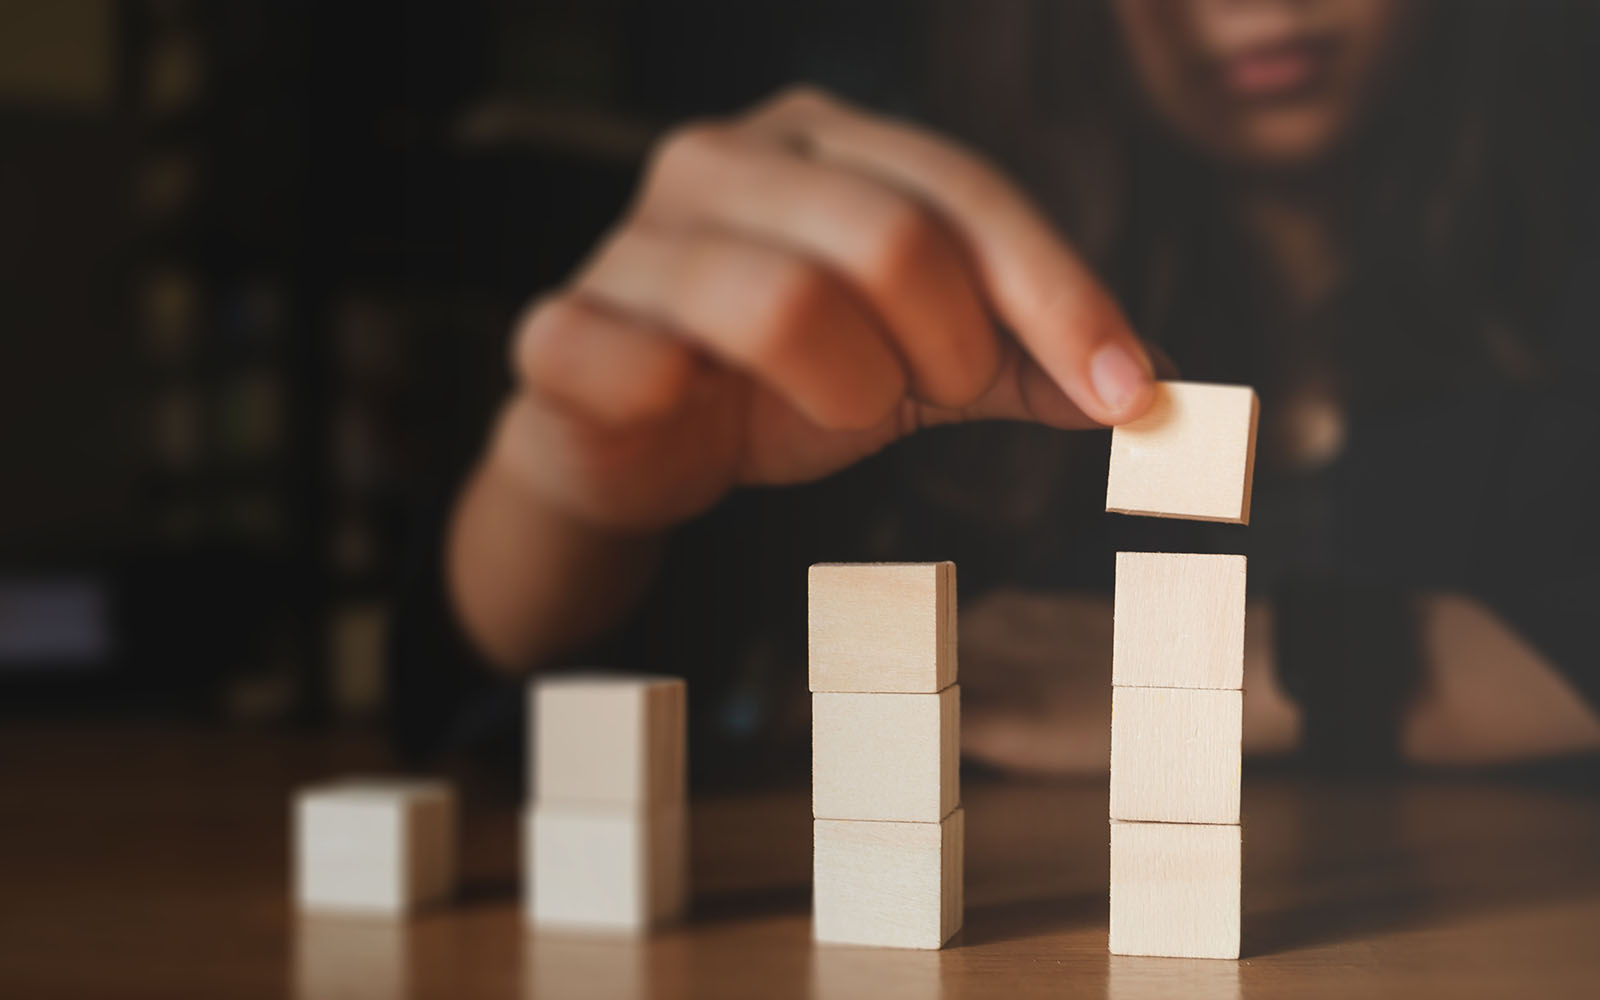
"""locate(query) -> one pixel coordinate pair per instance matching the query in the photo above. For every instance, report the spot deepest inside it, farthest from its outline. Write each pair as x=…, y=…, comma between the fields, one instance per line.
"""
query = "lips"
x=1278, y=71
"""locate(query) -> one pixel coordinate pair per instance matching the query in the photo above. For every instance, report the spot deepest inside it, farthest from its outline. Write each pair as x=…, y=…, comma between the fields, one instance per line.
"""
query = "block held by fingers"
x=1191, y=456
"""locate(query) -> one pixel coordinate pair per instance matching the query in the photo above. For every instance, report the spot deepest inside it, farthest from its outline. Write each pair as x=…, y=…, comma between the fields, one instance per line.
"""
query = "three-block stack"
x=605, y=836
x=888, y=825
x=1177, y=676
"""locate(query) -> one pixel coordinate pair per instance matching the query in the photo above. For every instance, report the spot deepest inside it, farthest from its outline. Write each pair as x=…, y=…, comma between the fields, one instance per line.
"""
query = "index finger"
x=1036, y=283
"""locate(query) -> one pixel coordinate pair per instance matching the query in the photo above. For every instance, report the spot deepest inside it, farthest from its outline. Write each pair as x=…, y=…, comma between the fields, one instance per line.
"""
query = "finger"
x=760, y=308
x=1035, y=282
x=594, y=470
x=895, y=250
x=1021, y=391
x=611, y=368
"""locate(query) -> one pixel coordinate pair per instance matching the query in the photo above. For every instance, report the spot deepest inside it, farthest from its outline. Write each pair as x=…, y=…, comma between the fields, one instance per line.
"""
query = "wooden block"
x=1192, y=456
x=896, y=885
x=1175, y=755
x=602, y=738
x=886, y=756
x=1179, y=620
x=374, y=846
x=1175, y=890
x=882, y=626
x=599, y=866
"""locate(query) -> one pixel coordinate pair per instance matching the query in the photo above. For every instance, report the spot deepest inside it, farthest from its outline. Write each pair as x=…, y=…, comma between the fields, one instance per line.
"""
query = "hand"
x=792, y=291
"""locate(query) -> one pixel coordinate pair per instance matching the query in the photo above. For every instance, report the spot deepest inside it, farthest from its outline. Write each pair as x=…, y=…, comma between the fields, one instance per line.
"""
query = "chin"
x=1284, y=139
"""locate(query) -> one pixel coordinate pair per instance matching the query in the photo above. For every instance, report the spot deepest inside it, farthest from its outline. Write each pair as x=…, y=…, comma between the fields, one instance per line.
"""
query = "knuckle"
x=874, y=409
x=796, y=292
x=801, y=98
x=684, y=150
x=659, y=389
x=979, y=188
x=906, y=241
x=544, y=326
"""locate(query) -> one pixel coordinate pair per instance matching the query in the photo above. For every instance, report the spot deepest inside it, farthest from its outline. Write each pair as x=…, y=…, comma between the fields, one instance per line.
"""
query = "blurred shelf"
x=571, y=129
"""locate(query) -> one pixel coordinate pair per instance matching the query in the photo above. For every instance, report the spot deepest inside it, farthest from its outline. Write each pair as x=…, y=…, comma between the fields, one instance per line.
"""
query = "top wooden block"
x=604, y=738
x=1192, y=456
x=882, y=627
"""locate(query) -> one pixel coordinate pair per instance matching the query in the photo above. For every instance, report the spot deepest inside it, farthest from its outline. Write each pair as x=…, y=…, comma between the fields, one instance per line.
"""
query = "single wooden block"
x=1175, y=889
x=896, y=885
x=1175, y=755
x=882, y=626
x=886, y=756
x=1179, y=620
x=1192, y=456
x=374, y=846
x=600, y=866
x=602, y=738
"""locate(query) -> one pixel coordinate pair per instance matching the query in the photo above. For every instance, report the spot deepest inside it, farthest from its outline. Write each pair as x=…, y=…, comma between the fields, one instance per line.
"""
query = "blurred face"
x=1262, y=82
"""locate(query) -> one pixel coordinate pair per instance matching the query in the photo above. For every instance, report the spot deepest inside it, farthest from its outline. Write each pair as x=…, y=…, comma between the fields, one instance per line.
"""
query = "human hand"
x=793, y=290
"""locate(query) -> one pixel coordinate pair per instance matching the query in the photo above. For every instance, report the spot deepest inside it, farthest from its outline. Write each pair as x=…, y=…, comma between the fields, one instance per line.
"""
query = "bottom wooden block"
x=1175, y=889
x=896, y=885
x=604, y=867
x=377, y=846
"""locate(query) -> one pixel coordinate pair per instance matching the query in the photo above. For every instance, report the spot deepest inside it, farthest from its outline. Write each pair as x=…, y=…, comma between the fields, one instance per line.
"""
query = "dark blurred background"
x=258, y=263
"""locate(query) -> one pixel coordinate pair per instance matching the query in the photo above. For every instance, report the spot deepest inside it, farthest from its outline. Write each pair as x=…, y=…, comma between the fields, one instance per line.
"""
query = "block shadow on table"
x=738, y=905
x=1328, y=863
x=1025, y=918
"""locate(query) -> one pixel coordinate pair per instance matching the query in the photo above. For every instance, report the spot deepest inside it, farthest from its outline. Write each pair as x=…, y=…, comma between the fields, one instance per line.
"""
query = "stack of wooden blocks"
x=605, y=836
x=888, y=827
x=1177, y=675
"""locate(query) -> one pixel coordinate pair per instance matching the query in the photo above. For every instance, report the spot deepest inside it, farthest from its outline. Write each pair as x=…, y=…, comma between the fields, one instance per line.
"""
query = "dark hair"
x=1465, y=191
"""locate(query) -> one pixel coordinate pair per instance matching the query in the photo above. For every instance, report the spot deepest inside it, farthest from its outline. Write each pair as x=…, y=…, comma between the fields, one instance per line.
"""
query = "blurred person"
x=819, y=333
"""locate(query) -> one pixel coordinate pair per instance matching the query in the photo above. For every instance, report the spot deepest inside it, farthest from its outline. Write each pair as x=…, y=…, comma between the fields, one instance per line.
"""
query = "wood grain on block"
x=886, y=756
x=1179, y=620
x=375, y=846
x=882, y=626
x=1175, y=755
x=1175, y=890
x=601, y=866
x=1192, y=456
x=604, y=738
x=896, y=885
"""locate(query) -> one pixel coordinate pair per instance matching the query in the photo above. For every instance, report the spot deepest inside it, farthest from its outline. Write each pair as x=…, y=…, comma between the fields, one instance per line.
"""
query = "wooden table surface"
x=150, y=861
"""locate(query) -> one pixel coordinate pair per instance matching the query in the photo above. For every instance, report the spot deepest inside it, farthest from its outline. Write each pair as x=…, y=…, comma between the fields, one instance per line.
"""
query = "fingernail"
x=1117, y=376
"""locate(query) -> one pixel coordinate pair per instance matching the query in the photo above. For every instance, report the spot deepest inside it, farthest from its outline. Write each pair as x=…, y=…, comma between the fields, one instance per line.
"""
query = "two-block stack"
x=1177, y=675
x=888, y=825
x=605, y=836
